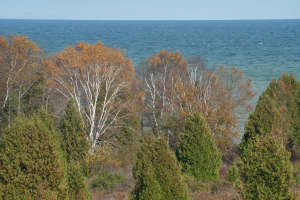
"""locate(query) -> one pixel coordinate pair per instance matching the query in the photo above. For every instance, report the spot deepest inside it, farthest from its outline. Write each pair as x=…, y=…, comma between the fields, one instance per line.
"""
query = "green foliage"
x=266, y=170
x=36, y=98
x=74, y=138
x=30, y=166
x=296, y=167
x=129, y=133
x=261, y=121
x=106, y=180
x=195, y=185
x=77, y=187
x=157, y=172
x=283, y=93
x=147, y=185
x=197, y=151
x=232, y=175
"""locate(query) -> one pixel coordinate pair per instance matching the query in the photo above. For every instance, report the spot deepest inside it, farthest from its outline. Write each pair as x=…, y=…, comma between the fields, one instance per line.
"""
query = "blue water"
x=263, y=49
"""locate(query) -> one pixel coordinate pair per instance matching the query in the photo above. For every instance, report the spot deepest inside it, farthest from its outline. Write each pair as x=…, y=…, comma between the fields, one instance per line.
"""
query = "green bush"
x=77, y=187
x=106, y=180
x=157, y=171
x=232, y=175
x=31, y=166
x=195, y=185
x=197, y=152
x=266, y=170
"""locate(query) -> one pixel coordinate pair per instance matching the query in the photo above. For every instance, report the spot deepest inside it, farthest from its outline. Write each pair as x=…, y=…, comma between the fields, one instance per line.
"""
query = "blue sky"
x=150, y=10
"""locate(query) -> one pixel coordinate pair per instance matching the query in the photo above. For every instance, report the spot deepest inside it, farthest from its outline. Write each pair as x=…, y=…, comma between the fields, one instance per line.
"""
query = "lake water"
x=263, y=49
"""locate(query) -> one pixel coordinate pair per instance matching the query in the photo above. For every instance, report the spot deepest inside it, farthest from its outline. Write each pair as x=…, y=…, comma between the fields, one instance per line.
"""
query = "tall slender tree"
x=75, y=143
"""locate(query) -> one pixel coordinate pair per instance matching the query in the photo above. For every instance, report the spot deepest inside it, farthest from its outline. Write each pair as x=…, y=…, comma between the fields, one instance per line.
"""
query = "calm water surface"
x=263, y=49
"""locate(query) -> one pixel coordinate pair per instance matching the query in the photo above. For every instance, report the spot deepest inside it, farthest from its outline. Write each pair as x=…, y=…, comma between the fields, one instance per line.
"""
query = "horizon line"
x=154, y=19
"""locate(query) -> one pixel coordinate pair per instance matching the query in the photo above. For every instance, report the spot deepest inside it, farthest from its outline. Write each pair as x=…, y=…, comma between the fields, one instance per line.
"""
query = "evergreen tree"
x=278, y=108
x=266, y=170
x=261, y=121
x=74, y=138
x=31, y=166
x=197, y=152
x=75, y=146
x=147, y=185
x=157, y=172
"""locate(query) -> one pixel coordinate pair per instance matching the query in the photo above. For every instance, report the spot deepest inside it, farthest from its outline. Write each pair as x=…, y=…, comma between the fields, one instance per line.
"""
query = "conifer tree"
x=74, y=138
x=157, y=172
x=261, y=121
x=278, y=108
x=266, y=170
x=75, y=146
x=31, y=166
x=197, y=152
x=147, y=185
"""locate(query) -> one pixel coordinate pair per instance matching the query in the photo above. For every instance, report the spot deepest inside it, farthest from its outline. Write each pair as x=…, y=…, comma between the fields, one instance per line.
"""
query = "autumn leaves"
x=163, y=92
x=175, y=88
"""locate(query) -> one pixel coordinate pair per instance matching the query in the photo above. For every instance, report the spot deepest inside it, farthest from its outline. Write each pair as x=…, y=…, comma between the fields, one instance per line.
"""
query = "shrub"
x=266, y=170
x=232, y=175
x=30, y=166
x=195, y=185
x=77, y=187
x=197, y=151
x=156, y=170
x=106, y=180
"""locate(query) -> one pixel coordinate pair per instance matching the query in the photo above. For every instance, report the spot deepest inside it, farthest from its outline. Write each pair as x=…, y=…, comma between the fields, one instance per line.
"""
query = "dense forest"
x=84, y=123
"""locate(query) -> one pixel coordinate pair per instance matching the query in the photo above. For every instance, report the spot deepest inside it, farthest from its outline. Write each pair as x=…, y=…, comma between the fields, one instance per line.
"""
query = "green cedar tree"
x=157, y=172
x=29, y=160
x=266, y=170
x=197, y=152
x=261, y=121
x=269, y=112
x=74, y=138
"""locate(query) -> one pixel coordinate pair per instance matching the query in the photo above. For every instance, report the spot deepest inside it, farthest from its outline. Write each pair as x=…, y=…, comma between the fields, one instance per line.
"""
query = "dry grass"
x=207, y=195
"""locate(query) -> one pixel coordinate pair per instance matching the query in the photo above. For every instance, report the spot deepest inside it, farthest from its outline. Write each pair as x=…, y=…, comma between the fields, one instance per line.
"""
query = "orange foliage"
x=18, y=65
x=103, y=156
x=99, y=78
x=174, y=86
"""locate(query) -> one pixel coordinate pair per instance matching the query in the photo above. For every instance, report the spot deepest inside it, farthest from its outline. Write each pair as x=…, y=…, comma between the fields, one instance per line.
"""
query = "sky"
x=150, y=9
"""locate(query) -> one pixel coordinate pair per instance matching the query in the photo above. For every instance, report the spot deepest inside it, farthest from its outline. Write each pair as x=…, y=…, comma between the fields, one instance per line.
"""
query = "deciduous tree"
x=19, y=69
x=97, y=77
x=157, y=74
